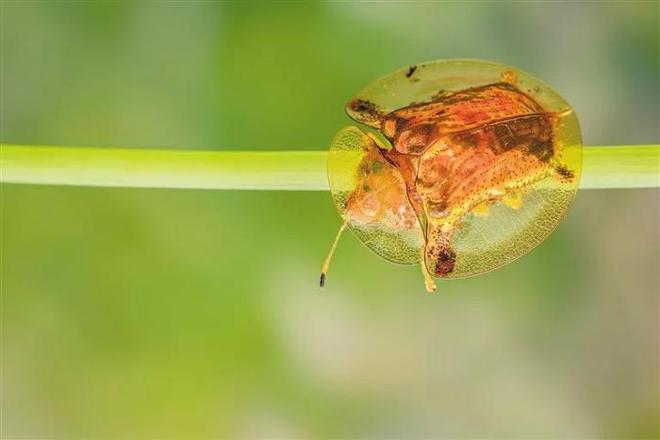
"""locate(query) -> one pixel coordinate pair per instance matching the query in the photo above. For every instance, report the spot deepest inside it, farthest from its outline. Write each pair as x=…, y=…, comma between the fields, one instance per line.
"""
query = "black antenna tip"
x=322, y=281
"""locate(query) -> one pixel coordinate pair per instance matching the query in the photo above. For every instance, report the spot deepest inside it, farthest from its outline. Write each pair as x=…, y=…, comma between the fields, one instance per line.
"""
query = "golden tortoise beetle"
x=462, y=166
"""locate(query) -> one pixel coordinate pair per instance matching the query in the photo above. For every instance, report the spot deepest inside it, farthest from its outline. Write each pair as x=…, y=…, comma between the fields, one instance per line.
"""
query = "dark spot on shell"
x=415, y=140
x=362, y=105
x=541, y=149
x=507, y=135
x=565, y=173
x=445, y=261
x=365, y=107
x=411, y=71
x=469, y=139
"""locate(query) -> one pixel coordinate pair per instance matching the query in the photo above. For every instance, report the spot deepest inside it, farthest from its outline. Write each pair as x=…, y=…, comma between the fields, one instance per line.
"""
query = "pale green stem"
x=635, y=166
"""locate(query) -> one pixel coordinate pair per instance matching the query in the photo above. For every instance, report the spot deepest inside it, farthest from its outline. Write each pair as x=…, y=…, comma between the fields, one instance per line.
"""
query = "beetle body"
x=446, y=160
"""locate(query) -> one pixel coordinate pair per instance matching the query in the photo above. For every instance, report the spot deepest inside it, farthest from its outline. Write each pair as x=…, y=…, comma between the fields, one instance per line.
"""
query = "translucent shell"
x=495, y=154
x=371, y=197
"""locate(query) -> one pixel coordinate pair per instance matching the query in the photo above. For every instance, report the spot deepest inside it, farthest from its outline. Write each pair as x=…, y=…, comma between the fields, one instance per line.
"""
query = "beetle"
x=461, y=166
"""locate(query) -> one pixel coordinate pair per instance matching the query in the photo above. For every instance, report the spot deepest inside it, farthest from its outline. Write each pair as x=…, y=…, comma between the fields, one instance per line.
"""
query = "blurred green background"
x=181, y=313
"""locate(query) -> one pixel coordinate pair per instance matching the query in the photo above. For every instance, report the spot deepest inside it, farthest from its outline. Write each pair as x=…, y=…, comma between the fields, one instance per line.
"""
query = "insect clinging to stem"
x=461, y=166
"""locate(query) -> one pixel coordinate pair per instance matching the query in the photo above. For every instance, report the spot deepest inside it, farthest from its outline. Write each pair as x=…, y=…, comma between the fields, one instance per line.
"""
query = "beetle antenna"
x=326, y=263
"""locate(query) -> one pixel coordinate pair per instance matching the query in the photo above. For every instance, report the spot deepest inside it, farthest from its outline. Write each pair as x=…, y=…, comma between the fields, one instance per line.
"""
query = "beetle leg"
x=379, y=143
x=428, y=279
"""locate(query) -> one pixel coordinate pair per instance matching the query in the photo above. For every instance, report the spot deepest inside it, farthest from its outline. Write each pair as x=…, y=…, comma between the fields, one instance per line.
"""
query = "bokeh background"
x=181, y=313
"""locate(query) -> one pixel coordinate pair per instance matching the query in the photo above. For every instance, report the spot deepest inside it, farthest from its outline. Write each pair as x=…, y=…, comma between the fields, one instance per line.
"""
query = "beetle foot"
x=428, y=279
x=429, y=283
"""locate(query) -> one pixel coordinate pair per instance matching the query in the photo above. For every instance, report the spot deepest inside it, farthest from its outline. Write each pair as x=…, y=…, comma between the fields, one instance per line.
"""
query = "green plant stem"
x=634, y=166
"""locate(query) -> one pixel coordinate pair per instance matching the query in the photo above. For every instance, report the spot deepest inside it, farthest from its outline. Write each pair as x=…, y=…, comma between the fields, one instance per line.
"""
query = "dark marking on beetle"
x=564, y=173
x=543, y=150
x=445, y=261
x=507, y=137
x=469, y=139
x=411, y=71
x=416, y=139
x=365, y=107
